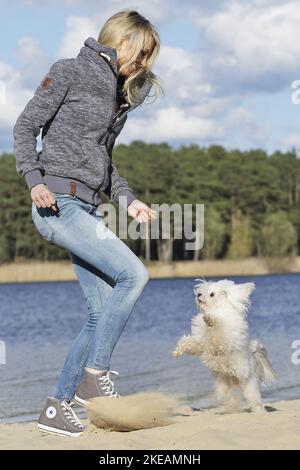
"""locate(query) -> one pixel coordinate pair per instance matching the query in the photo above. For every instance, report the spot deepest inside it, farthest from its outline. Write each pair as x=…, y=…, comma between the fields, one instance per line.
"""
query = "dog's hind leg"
x=224, y=393
x=251, y=392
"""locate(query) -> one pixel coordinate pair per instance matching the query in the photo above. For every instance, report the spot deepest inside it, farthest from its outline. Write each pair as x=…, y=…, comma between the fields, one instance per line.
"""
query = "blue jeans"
x=111, y=276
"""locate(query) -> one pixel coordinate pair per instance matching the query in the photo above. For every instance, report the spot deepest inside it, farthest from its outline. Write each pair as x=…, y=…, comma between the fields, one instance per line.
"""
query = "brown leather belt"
x=72, y=191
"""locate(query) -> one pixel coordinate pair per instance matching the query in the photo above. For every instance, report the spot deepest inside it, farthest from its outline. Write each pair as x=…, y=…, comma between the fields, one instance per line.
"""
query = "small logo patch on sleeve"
x=46, y=82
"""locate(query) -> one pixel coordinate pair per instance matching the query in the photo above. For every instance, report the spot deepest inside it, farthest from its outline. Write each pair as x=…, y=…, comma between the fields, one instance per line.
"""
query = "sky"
x=226, y=67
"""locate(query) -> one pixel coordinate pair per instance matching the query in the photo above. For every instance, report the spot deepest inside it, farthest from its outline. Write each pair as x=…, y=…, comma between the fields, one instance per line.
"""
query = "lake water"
x=40, y=320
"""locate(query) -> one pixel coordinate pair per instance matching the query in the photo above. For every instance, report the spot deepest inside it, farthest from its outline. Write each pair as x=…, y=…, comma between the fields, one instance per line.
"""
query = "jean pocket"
x=63, y=201
x=40, y=222
x=62, y=195
x=97, y=212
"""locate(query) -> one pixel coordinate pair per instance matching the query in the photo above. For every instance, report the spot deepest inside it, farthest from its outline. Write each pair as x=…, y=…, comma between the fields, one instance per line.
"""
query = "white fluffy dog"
x=219, y=337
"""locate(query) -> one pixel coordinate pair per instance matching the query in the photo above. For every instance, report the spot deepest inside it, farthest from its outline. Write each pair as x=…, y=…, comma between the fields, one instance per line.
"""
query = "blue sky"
x=227, y=67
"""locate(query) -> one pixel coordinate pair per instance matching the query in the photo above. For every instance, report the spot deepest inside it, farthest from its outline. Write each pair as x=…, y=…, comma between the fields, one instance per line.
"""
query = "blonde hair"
x=143, y=35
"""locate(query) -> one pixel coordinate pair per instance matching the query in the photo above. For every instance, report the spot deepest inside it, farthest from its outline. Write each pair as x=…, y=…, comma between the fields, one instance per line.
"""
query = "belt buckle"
x=72, y=188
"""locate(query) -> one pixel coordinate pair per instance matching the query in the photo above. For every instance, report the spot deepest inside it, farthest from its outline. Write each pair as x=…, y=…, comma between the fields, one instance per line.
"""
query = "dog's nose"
x=199, y=298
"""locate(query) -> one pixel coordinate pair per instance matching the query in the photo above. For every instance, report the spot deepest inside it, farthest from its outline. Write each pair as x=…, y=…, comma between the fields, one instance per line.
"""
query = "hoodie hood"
x=91, y=52
x=107, y=51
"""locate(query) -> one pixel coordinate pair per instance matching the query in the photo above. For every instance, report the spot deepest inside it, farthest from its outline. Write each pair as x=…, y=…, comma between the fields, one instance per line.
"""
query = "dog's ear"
x=238, y=295
x=196, y=286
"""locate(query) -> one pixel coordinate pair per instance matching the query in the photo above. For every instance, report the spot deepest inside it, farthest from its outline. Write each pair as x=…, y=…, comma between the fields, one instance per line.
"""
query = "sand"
x=208, y=429
x=140, y=410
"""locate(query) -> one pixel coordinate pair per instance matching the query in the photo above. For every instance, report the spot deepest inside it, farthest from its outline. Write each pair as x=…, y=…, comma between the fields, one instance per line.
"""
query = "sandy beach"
x=203, y=429
x=38, y=271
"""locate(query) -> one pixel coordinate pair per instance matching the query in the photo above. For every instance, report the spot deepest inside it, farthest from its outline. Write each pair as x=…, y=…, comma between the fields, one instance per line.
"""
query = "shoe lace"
x=107, y=384
x=69, y=413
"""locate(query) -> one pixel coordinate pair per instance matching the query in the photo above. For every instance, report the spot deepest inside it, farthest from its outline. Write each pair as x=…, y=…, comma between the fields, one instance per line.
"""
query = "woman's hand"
x=43, y=197
x=139, y=211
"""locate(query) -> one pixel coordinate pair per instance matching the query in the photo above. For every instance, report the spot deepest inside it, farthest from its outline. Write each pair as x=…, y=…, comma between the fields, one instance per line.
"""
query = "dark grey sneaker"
x=95, y=385
x=58, y=417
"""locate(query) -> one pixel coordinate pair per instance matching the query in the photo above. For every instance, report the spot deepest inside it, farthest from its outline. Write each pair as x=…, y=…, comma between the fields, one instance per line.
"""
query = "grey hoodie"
x=75, y=104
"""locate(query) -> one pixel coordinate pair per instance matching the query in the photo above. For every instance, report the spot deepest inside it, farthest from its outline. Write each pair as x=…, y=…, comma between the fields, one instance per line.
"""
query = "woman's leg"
x=95, y=286
x=77, y=228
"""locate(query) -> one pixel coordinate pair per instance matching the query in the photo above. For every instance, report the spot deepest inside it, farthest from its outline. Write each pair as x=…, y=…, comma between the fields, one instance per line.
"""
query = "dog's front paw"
x=177, y=353
x=180, y=348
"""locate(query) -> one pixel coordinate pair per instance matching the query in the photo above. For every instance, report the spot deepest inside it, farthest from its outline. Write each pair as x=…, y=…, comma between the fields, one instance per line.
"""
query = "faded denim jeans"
x=111, y=276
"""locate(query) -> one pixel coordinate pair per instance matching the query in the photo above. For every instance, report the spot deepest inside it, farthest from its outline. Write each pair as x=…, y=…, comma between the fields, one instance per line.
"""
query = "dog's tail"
x=263, y=367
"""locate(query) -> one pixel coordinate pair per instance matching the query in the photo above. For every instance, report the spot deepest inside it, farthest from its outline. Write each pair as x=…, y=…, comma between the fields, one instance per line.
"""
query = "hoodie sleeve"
x=42, y=107
x=119, y=187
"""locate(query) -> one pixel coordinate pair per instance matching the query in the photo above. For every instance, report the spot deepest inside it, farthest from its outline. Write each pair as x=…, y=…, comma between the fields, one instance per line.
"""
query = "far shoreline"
x=39, y=271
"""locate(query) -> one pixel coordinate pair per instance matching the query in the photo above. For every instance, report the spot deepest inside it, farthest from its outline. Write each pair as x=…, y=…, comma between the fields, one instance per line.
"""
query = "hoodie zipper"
x=115, y=119
x=114, y=122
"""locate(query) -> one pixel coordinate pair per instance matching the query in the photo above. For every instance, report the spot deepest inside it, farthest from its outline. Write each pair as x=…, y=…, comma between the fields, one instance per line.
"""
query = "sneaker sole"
x=61, y=432
x=80, y=401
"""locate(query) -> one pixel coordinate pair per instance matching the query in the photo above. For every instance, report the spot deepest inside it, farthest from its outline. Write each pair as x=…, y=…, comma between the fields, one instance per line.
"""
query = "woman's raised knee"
x=136, y=274
x=143, y=274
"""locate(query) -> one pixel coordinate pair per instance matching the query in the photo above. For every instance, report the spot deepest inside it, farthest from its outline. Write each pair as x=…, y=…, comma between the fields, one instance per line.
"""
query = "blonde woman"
x=82, y=105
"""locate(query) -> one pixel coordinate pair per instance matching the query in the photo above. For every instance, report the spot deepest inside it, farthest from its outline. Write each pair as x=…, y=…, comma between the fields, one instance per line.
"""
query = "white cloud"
x=245, y=48
x=250, y=46
x=34, y=63
x=242, y=124
x=16, y=96
x=182, y=73
x=155, y=10
x=20, y=84
x=33, y=3
x=78, y=28
x=29, y=49
x=171, y=123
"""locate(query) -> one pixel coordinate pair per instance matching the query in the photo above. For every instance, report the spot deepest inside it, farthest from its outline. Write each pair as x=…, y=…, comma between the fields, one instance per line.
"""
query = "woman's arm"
x=119, y=187
x=42, y=107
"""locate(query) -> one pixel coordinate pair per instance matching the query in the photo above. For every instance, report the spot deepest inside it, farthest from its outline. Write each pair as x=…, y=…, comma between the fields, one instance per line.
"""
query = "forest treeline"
x=251, y=202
